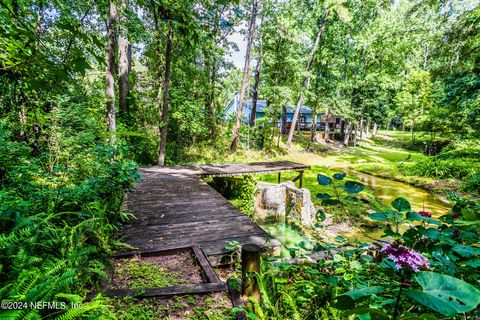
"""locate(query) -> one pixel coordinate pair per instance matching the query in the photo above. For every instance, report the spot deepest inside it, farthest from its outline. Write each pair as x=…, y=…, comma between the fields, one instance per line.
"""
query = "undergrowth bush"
x=462, y=149
x=439, y=168
x=59, y=213
x=458, y=160
x=428, y=271
x=472, y=182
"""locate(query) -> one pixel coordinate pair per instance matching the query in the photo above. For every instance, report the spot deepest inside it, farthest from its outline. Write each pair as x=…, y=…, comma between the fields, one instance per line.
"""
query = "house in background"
x=304, y=118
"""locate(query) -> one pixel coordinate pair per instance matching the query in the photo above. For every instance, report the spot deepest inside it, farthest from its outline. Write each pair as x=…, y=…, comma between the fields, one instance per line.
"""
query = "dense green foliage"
x=59, y=215
x=360, y=279
x=64, y=166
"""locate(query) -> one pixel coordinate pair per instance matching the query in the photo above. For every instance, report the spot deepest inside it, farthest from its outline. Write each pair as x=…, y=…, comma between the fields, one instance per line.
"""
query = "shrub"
x=438, y=168
x=472, y=182
x=469, y=149
x=59, y=213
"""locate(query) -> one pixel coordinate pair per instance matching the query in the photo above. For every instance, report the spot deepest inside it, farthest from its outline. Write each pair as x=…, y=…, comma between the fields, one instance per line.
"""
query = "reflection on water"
x=291, y=239
x=386, y=191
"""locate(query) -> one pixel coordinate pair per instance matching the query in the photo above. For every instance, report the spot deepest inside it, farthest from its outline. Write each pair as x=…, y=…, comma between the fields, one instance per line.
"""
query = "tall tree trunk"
x=256, y=85
x=22, y=114
x=413, y=134
x=246, y=72
x=255, y=89
x=39, y=21
x=123, y=60
x=342, y=129
x=367, y=130
x=284, y=119
x=361, y=128
x=313, y=128
x=375, y=128
x=166, y=83
x=425, y=57
x=109, y=80
x=348, y=134
x=327, y=126
x=306, y=79
x=355, y=136
x=212, y=107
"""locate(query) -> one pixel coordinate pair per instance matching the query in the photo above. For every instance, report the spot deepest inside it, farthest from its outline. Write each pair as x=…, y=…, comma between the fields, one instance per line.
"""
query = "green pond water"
x=293, y=241
x=385, y=191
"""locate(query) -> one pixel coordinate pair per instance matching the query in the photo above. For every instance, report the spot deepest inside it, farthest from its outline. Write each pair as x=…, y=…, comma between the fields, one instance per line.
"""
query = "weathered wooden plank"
x=188, y=223
x=237, y=301
x=200, y=235
x=167, y=291
x=205, y=264
x=174, y=207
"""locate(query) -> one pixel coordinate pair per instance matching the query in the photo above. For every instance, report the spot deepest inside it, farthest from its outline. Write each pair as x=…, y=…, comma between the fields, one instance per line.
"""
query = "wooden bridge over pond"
x=175, y=208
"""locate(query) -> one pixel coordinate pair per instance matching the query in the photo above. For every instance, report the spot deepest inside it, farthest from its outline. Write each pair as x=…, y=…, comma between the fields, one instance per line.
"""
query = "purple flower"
x=425, y=214
x=406, y=258
x=455, y=216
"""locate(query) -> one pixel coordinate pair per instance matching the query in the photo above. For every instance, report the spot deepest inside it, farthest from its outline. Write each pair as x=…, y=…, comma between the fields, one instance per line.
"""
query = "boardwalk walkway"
x=174, y=207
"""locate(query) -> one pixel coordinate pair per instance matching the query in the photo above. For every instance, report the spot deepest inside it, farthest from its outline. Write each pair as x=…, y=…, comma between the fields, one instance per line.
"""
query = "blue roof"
x=262, y=104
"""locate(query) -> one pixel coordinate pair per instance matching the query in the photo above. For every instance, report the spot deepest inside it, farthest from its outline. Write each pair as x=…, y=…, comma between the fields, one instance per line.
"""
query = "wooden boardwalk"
x=174, y=208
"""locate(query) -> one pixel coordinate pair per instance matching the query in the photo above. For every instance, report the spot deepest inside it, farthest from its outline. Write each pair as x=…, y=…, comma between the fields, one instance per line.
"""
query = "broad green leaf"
x=425, y=316
x=466, y=223
x=344, y=302
x=473, y=263
x=444, y=294
x=391, y=233
x=375, y=314
x=353, y=187
x=430, y=233
x=330, y=202
x=353, y=199
x=380, y=216
x=323, y=180
x=364, y=316
x=465, y=251
x=323, y=196
x=414, y=216
x=339, y=176
x=401, y=204
x=363, y=292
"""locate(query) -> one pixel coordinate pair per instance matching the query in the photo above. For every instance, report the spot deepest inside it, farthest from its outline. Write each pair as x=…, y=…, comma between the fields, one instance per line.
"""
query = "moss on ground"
x=195, y=307
x=139, y=274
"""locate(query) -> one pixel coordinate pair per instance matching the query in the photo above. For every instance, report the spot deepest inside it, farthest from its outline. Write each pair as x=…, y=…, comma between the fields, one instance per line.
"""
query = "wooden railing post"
x=250, y=266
